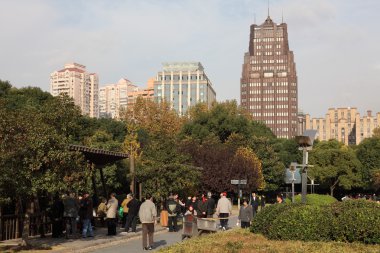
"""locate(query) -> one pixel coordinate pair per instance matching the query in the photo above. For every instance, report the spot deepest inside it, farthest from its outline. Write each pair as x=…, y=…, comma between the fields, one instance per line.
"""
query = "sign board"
x=242, y=181
x=234, y=181
x=289, y=176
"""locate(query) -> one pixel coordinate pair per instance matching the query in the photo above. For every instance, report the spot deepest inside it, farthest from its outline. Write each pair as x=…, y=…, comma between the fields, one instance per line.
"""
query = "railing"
x=11, y=226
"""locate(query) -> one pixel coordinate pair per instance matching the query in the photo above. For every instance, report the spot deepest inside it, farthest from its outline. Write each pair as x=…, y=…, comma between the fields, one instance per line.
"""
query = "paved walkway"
x=60, y=245
x=161, y=239
x=130, y=242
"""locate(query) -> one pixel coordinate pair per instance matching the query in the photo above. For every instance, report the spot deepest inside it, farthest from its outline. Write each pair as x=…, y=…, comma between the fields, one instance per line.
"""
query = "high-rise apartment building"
x=344, y=125
x=183, y=84
x=78, y=84
x=268, y=87
x=114, y=97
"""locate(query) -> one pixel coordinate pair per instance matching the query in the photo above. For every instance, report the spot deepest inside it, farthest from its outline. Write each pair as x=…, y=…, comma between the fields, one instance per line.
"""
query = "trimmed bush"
x=302, y=222
x=356, y=220
x=314, y=199
x=348, y=221
x=264, y=219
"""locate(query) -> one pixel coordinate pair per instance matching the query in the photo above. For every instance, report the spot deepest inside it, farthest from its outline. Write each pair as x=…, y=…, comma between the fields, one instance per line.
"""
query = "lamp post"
x=305, y=143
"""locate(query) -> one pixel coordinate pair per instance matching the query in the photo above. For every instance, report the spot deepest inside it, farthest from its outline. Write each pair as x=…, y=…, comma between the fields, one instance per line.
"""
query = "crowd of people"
x=75, y=216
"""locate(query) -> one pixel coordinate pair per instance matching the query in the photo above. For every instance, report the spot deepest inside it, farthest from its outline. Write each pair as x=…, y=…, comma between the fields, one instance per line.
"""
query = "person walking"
x=245, y=214
x=148, y=214
x=224, y=210
x=70, y=213
x=125, y=209
x=210, y=206
x=133, y=210
x=112, y=214
x=173, y=209
x=255, y=203
x=86, y=214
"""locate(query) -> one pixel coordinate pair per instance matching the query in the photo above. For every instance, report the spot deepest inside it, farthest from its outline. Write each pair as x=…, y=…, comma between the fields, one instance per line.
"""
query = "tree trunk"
x=26, y=224
x=333, y=187
x=332, y=191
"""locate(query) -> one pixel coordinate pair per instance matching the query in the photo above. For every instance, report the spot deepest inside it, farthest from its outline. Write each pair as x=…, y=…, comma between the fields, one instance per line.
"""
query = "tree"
x=222, y=120
x=272, y=166
x=222, y=162
x=368, y=154
x=161, y=180
x=287, y=150
x=335, y=165
x=376, y=132
x=5, y=86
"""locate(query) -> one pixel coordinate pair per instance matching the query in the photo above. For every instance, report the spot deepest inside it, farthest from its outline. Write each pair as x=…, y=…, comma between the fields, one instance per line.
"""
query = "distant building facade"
x=78, y=84
x=344, y=125
x=183, y=84
x=145, y=93
x=268, y=86
x=114, y=98
x=301, y=122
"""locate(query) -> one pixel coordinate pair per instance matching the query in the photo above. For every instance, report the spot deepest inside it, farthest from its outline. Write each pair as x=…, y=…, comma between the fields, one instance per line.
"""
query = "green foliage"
x=302, y=222
x=266, y=217
x=287, y=151
x=356, y=221
x=273, y=168
x=335, y=165
x=33, y=156
x=161, y=180
x=314, y=199
x=222, y=120
x=368, y=154
x=348, y=221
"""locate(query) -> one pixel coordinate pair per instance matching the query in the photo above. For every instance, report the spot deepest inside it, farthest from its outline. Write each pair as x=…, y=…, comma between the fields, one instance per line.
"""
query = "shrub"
x=314, y=199
x=356, y=220
x=348, y=221
x=302, y=222
x=264, y=219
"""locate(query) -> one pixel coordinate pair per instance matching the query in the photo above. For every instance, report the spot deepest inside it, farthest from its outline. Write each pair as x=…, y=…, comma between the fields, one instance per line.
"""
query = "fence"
x=11, y=226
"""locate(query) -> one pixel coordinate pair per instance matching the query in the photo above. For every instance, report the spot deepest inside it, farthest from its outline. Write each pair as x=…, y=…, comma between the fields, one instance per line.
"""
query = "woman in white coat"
x=112, y=205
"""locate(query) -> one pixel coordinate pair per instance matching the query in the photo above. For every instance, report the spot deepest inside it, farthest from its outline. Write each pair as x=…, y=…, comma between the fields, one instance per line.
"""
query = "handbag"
x=121, y=212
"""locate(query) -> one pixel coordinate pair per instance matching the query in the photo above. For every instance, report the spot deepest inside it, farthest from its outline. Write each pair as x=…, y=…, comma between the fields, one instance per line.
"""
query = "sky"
x=336, y=43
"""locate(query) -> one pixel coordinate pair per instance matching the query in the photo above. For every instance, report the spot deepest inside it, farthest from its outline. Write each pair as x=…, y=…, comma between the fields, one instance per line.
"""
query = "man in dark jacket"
x=173, y=210
x=254, y=203
x=86, y=214
x=210, y=205
x=133, y=210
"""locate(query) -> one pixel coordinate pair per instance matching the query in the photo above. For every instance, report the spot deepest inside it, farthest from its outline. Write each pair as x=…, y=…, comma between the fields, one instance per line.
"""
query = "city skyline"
x=333, y=41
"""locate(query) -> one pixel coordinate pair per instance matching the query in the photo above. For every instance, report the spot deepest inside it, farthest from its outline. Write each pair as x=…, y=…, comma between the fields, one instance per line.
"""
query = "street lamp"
x=305, y=143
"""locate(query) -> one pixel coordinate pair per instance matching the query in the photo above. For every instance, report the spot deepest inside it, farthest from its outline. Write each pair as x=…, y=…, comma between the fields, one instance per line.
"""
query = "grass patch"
x=239, y=240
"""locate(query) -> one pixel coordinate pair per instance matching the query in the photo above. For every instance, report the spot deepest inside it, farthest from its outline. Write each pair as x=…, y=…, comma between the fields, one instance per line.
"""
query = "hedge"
x=303, y=222
x=314, y=199
x=356, y=220
x=348, y=221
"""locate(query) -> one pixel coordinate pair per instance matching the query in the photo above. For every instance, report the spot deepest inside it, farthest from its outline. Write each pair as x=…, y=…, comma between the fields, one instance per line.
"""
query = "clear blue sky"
x=335, y=42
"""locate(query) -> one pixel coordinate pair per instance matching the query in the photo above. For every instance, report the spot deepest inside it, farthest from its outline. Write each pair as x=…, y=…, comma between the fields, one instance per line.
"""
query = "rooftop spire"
x=282, y=16
x=268, y=8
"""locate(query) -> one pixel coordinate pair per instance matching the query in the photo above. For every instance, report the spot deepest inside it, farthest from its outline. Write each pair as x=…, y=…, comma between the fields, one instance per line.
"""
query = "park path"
x=161, y=239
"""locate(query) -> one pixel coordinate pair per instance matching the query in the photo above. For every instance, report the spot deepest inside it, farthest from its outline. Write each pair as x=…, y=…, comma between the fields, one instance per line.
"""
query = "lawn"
x=239, y=240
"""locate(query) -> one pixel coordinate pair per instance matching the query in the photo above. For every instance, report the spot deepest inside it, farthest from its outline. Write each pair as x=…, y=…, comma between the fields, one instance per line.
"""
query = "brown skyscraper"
x=268, y=87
